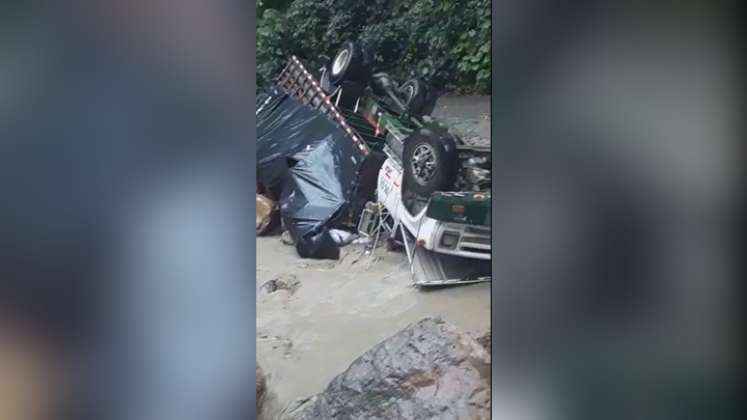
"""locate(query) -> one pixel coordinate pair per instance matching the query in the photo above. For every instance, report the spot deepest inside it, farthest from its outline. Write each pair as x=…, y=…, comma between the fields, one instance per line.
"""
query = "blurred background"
x=124, y=248
x=617, y=162
x=125, y=171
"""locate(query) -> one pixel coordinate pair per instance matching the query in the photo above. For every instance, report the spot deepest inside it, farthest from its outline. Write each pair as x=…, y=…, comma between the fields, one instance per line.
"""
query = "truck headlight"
x=449, y=239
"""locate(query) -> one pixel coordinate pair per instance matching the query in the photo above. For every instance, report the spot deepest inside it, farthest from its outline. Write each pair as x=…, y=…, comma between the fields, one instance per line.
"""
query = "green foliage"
x=445, y=42
x=272, y=44
x=263, y=5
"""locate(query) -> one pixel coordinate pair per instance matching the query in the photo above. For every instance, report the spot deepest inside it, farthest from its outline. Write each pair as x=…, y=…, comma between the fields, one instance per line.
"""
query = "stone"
x=429, y=370
x=287, y=282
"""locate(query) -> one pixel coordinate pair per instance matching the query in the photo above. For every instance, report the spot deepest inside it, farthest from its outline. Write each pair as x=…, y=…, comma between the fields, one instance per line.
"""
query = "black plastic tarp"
x=312, y=163
x=284, y=127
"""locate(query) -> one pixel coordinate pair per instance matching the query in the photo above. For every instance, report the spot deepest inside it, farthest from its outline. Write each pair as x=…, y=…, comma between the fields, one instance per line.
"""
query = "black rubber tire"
x=325, y=82
x=430, y=100
x=356, y=68
x=414, y=93
x=446, y=162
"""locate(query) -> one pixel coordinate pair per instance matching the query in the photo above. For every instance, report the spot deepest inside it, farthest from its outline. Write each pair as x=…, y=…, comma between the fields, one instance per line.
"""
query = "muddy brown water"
x=341, y=309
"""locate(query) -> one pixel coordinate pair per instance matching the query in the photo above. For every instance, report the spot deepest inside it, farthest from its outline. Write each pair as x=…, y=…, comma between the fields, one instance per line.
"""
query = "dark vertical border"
x=494, y=156
x=251, y=31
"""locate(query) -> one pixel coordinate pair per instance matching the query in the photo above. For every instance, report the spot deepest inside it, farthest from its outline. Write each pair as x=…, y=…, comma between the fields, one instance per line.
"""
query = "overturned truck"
x=357, y=150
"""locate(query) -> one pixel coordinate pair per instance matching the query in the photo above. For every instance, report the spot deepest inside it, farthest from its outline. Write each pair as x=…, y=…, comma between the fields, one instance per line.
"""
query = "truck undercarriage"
x=431, y=191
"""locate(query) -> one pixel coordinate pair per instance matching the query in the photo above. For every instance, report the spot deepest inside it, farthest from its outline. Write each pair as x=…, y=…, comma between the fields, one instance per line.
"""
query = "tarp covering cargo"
x=312, y=164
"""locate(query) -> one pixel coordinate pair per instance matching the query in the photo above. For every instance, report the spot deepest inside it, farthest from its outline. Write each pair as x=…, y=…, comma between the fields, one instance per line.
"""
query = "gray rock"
x=286, y=282
x=429, y=370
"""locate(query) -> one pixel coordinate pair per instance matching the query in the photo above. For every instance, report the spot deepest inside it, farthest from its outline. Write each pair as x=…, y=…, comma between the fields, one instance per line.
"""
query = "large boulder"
x=429, y=370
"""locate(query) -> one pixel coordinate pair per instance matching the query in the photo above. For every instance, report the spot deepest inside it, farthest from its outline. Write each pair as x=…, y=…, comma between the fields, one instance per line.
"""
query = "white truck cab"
x=439, y=252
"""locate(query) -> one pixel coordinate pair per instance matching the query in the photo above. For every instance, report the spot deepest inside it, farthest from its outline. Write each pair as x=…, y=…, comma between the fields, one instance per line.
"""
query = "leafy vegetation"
x=446, y=42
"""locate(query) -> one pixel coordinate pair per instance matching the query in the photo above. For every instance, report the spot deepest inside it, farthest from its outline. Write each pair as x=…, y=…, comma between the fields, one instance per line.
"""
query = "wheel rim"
x=409, y=92
x=324, y=80
x=424, y=163
x=340, y=61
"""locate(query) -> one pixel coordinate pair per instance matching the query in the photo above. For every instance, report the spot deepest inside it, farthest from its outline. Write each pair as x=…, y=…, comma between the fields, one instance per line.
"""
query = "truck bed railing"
x=299, y=83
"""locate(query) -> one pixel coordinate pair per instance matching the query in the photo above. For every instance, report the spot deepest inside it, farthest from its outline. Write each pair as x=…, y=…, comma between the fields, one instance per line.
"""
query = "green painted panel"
x=471, y=208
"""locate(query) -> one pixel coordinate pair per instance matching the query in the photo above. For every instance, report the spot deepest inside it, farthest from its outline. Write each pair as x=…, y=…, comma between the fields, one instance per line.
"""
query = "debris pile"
x=309, y=165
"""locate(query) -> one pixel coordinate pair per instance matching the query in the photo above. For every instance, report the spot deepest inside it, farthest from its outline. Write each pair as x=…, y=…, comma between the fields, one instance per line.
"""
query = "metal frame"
x=299, y=83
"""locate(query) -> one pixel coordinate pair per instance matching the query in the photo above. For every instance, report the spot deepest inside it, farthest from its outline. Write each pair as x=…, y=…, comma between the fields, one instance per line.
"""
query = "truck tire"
x=325, y=82
x=352, y=62
x=430, y=162
x=414, y=93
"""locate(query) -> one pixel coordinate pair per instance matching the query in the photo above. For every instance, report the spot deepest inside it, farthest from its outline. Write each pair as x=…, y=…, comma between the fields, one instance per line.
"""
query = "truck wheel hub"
x=423, y=163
